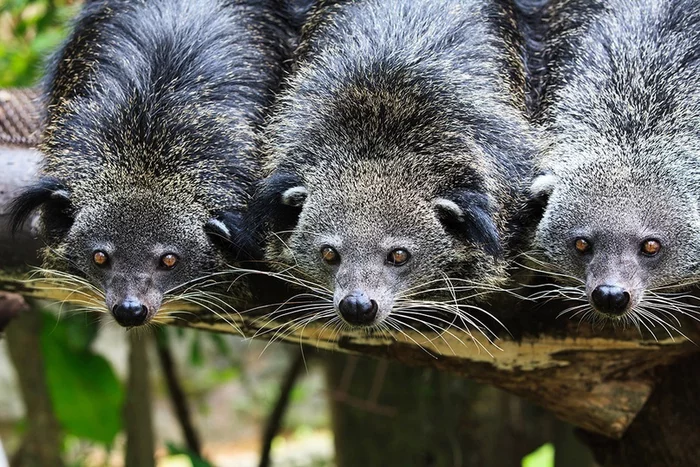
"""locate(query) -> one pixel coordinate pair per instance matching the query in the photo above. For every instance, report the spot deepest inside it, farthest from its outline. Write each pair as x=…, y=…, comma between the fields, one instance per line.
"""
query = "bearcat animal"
x=620, y=103
x=397, y=156
x=152, y=110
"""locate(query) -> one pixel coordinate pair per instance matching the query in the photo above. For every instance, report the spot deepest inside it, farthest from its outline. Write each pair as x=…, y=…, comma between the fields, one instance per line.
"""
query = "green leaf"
x=86, y=394
x=541, y=457
x=78, y=331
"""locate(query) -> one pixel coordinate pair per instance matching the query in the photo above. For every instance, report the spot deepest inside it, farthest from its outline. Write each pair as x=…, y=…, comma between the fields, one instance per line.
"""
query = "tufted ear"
x=49, y=194
x=277, y=203
x=447, y=210
x=294, y=196
x=542, y=187
x=229, y=231
x=466, y=214
x=217, y=229
x=536, y=200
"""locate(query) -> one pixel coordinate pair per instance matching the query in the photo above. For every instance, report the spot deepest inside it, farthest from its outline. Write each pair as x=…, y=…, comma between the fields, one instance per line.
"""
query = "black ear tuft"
x=53, y=196
x=466, y=214
x=228, y=230
x=277, y=203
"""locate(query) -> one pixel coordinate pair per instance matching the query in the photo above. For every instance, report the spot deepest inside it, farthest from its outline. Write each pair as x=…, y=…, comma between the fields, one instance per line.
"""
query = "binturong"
x=398, y=154
x=152, y=111
x=620, y=175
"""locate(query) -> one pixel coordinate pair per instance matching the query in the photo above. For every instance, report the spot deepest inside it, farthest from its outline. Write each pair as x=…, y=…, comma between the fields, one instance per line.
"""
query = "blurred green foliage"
x=85, y=392
x=30, y=30
x=541, y=457
x=194, y=459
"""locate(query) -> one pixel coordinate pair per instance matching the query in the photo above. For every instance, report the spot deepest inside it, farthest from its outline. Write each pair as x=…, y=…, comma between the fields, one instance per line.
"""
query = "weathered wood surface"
x=597, y=379
x=665, y=432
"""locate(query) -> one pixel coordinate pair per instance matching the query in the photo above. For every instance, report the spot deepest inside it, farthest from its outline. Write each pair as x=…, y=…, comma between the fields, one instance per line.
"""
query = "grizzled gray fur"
x=152, y=110
x=621, y=170
x=398, y=152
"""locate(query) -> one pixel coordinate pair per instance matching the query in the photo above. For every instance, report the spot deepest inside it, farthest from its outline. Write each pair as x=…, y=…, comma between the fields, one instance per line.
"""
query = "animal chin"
x=610, y=316
x=614, y=314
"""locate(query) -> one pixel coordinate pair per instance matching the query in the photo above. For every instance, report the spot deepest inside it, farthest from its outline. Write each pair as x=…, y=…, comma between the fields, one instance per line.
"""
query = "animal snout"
x=130, y=313
x=358, y=309
x=610, y=299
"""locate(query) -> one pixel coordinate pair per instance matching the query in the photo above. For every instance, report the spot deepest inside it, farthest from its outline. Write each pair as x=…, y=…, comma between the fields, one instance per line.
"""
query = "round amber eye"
x=582, y=245
x=168, y=261
x=330, y=255
x=651, y=247
x=398, y=257
x=100, y=258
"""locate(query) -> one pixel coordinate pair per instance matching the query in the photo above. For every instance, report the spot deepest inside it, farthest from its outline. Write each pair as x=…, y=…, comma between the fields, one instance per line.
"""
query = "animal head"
x=621, y=109
x=376, y=235
x=135, y=246
x=623, y=229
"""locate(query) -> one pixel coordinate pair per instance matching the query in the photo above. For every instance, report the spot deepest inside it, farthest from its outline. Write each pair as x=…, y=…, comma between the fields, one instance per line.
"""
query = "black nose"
x=357, y=308
x=130, y=313
x=610, y=299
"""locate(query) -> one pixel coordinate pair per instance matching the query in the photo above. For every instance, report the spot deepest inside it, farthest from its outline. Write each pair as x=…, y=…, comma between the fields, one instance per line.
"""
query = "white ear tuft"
x=447, y=208
x=295, y=196
x=217, y=227
x=543, y=185
x=60, y=194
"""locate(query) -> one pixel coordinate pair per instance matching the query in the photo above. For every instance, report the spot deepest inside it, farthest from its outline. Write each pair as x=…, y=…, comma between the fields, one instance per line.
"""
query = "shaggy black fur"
x=150, y=142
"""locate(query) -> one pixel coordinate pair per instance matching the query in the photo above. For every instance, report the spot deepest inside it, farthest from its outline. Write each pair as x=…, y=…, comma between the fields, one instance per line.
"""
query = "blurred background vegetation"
x=231, y=386
x=29, y=32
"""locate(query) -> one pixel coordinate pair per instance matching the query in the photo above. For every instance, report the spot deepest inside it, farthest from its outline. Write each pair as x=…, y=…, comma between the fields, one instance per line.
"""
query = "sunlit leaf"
x=542, y=457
